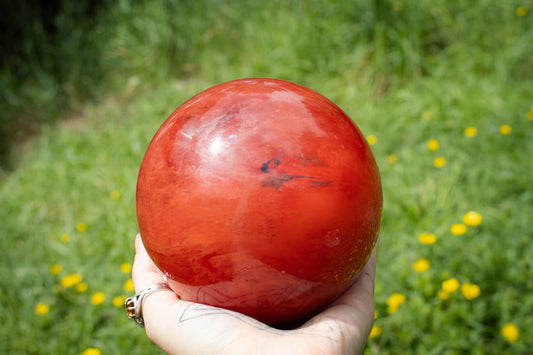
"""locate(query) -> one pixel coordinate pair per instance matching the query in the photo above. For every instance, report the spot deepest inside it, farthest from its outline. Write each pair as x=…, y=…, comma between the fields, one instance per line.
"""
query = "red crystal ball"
x=259, y=196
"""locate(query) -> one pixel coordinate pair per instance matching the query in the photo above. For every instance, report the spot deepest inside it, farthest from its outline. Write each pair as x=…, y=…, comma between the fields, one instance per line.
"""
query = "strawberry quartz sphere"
x=260, y=196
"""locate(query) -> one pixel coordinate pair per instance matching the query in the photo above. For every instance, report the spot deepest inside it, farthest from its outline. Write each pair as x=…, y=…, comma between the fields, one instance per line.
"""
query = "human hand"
x=181, y=327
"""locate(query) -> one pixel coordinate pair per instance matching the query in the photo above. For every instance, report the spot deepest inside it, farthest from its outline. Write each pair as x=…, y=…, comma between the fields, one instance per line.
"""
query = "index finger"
x=144, y=272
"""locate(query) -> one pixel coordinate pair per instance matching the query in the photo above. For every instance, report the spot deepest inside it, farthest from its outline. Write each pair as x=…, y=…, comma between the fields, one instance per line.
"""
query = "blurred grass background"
x=442, y=90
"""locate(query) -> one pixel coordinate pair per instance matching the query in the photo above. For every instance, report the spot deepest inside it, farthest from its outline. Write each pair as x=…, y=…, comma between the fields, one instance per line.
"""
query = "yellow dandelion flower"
x=458, y=229
x=81, y=287
x=427, y=238
x=521, y=11
x=450, y=285
x=392, y=309
x=125, y=268
x=439, y=162
x=530, y=115
x=505, y=129
x=472, y=219
x=433, y=144
x=65, y=237
x=427, y=115
x=443, y=295
x=510, y=332
x=118, y=301
x=56, y=269
x=114, y=194
x=372, y=140
x=128, y=285
x=398, y=6
x=81, y=227
x=41, y=309
x=91, y=351
x=97, y=298
x=470, y=131
x=392, y=158
x=376, y=331
x=71, y=280
x=470, y=291
x=394, y=301
x=421, y=265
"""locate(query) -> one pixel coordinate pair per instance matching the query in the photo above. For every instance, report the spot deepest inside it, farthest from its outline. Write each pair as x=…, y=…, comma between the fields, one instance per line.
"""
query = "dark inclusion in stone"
x=276, y=180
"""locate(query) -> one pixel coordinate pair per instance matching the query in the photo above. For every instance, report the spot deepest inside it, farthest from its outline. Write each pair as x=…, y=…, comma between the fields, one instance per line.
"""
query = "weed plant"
x=443, y=91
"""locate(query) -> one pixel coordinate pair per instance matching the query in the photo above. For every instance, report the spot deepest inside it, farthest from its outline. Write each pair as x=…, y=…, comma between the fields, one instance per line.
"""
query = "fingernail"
x=137, y=240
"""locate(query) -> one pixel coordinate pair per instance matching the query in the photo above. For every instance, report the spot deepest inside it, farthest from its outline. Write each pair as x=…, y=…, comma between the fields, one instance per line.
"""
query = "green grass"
x=406, y=72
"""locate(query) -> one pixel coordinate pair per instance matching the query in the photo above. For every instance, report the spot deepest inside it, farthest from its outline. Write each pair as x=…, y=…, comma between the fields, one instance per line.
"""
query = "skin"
x=180, y=327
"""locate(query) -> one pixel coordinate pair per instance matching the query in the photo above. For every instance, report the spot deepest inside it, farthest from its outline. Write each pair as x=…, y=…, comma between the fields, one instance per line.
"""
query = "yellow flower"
x=450, y=285
x=530, y=114
x=433, y=144
x=427, y=238
x=81, y=227
x=510, y=332
x=65, y=238
x=128, y=285
x=125, y=268
x=421, y=265
x=521, y=11
x=427, y=115
x=398, y=6
x=91, y=351
x=439, y=162
x=458, y=229
x=118, y=301
x=392, y=309
x=443, y=295
x=70, y=280
x=81, y=287
x=392, y=159
x=394, y=301
x=376, y=331
x=114, y=194
x=505, y=129
x=470, y=131
x=56, y=269
x=472, y=219
x=372, y=140
x=470, y=291
x=41, y=308
x=97, y=298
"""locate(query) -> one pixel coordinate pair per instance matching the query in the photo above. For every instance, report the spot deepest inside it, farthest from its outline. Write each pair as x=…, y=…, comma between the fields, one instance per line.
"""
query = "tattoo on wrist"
x=196, y=310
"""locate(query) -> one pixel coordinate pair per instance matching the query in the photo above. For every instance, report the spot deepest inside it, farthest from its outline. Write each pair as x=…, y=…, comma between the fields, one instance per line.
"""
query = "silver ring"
x=134, y=303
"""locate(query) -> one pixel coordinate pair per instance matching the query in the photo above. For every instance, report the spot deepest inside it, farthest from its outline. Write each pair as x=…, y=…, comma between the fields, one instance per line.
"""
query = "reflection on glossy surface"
x=260, y=196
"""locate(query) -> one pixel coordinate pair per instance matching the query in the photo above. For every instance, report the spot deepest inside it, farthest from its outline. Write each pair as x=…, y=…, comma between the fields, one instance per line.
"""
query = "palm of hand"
x=180, y=327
